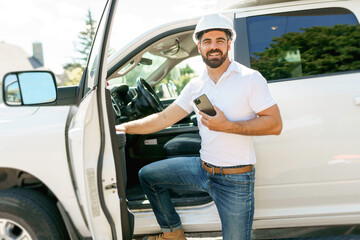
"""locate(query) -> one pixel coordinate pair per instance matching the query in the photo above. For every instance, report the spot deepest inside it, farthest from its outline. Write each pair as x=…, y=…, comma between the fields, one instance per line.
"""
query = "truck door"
x=100, y=190
x=310, y=168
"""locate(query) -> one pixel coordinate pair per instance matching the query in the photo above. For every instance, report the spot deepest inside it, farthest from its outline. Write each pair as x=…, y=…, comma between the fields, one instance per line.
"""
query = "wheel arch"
x=16, y=178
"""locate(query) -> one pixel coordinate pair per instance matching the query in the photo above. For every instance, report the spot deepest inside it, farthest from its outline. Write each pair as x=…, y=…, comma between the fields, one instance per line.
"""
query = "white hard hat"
x=214, y=21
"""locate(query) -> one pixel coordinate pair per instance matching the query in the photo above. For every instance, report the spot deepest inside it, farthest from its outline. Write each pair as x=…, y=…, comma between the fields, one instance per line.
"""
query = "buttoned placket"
x=209, y=86
x=213, y=93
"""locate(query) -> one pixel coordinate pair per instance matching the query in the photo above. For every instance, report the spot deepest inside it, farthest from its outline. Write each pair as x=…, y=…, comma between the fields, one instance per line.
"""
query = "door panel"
x=91, y=145
x=84, y=141
x=307, y=175
x=312, y=168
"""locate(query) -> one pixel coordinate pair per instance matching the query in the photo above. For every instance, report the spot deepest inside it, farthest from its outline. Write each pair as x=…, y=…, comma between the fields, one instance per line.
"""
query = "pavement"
x=307, y=233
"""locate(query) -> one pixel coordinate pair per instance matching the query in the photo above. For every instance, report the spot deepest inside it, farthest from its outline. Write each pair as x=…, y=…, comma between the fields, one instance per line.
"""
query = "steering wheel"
x=149, y=94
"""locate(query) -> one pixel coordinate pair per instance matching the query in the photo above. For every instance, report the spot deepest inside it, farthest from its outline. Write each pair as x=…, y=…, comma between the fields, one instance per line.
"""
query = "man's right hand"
x=120, y=128
x=154, y=122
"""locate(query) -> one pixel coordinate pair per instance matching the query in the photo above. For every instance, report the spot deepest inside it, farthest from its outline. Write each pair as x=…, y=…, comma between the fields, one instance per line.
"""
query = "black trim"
x=67, y=95
x=241, y=44
x=175, y=129
x=311, y=12
x=118, y=147
x=80, y=91
x=177, y=202
x=146, y=44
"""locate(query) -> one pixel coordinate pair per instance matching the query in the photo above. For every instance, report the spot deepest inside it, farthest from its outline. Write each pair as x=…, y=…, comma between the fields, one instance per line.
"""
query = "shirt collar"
x=233, y=67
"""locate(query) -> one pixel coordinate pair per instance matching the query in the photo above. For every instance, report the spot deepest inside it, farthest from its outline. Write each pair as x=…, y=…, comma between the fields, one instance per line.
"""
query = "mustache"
x=214, y=51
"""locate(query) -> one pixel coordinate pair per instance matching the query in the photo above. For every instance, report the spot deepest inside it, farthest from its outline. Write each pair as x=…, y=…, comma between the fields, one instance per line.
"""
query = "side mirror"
x=29, y=88
x=172, y=89
x=167, y=90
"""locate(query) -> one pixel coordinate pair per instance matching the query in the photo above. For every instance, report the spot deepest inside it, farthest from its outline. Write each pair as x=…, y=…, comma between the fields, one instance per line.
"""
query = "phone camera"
x=197, y=101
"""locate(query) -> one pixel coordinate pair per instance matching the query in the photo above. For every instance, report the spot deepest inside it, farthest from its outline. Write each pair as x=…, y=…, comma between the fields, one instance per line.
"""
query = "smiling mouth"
x=214, y=55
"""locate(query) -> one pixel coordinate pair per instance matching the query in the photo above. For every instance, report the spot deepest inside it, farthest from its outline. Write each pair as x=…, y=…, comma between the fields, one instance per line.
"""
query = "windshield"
x=147, y=65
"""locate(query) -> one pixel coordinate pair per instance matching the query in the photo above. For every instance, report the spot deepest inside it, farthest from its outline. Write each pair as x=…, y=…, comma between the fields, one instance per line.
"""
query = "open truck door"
x=93, y=145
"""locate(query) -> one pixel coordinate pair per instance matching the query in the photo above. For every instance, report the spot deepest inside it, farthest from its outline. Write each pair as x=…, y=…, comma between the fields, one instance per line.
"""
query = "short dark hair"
x=226, y=31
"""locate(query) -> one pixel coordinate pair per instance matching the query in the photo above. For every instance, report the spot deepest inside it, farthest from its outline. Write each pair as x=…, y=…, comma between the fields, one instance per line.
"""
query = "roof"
x=14, y=58
x=252, y=3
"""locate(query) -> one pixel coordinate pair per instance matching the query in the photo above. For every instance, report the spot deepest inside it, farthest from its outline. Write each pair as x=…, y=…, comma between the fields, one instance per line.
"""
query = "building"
x=14, y=58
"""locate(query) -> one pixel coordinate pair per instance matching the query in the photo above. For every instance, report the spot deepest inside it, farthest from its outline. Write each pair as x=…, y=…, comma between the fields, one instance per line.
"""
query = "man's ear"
x=229, y=45
x=198, y=44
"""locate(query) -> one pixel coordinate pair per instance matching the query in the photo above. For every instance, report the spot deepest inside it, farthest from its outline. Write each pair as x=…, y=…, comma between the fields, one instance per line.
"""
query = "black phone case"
x=204, y=105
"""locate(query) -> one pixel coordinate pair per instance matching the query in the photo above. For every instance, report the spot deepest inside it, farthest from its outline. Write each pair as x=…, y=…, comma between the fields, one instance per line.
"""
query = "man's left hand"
x=215, y=123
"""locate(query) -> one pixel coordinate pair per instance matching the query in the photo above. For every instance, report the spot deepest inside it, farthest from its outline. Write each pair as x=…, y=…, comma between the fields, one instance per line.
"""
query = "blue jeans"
x=233, y=194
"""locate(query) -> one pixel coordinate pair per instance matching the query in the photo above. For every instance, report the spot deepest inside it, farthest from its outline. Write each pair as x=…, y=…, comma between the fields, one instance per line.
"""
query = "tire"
x=30, y=215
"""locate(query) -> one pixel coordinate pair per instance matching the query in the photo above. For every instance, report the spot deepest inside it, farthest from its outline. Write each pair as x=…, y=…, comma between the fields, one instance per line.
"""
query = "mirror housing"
x=167, y=90
x=29, y=88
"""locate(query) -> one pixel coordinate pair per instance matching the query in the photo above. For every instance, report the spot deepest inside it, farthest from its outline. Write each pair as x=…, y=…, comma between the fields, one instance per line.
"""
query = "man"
x=244, y=108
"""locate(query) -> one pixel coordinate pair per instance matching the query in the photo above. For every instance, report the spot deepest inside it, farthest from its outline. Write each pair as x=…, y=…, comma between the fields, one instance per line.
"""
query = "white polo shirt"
x=240, y=93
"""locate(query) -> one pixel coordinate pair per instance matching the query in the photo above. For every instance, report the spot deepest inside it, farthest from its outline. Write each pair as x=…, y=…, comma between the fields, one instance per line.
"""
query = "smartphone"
x=204, y=105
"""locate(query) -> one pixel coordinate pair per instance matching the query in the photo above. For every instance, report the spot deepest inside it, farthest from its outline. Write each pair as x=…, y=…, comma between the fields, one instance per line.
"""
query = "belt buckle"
x=211, y=167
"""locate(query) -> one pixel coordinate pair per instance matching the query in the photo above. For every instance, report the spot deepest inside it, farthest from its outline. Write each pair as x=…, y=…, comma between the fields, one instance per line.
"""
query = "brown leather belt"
x=225, y=170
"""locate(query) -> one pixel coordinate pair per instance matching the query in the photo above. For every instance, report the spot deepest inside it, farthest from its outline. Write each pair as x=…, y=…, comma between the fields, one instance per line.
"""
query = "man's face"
x=213, y=47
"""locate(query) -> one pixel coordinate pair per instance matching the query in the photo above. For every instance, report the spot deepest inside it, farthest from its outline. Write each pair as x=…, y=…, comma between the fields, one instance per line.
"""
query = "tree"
x=73, y=71
x=180, y=77
x=186, y=74
x=73, y=76
x=316, y=50
x=86, y=37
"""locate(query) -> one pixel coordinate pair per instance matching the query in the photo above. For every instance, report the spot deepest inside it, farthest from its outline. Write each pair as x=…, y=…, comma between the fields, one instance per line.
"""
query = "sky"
x=56, y=24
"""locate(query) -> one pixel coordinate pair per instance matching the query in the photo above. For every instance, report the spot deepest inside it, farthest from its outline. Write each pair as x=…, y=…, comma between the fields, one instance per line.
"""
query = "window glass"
x=172, y=85
x=94, y=60
x=304, y=43
x=147, y=65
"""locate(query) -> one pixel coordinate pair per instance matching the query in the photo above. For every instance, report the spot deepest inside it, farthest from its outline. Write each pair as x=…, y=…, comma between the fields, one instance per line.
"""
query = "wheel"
x=28, y=215
x=149, y=94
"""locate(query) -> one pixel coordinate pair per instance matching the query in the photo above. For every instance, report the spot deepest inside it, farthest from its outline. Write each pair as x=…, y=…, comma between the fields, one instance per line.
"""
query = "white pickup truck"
x=65, y=172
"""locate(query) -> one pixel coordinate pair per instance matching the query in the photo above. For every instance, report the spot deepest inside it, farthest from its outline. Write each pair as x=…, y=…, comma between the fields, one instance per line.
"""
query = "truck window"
x=172, y=85
x=304, y=43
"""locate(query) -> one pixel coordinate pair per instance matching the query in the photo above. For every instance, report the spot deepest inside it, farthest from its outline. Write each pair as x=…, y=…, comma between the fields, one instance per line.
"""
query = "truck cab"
x=63, y=163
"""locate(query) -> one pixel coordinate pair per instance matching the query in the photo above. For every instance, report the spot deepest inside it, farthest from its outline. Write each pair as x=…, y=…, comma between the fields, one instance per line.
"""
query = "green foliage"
x=71, y=66
x=179, y=77
x=316, y=50
x=73, y=76
x=187, y=70
x=86, y=38
x=180, y=80
x=73, y=71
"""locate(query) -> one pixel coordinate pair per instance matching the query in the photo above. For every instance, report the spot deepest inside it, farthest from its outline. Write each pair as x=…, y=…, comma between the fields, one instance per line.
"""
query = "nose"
x=213, y=46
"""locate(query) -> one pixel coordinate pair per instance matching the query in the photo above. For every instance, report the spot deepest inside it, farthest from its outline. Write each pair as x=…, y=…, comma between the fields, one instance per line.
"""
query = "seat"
x=187, y=144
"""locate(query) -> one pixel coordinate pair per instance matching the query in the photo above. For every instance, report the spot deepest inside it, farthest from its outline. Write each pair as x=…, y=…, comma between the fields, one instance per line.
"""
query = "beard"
x=214, y=62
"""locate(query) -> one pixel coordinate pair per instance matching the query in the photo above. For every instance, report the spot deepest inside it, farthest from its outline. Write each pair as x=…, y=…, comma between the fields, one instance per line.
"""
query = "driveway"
x=308, y=233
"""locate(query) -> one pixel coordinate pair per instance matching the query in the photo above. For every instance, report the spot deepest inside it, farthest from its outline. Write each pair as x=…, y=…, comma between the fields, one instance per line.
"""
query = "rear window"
x=304, y=43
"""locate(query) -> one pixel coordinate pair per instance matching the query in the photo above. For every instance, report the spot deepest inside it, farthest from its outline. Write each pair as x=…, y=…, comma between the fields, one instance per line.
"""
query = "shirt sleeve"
x=184, y=100
x=260, y=96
